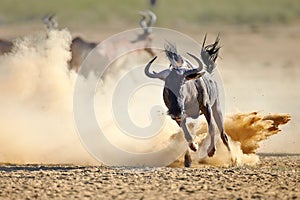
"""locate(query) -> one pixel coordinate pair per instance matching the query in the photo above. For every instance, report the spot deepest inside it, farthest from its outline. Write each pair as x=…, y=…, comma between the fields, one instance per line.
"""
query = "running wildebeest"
x=79, y=47
x=50, y=22
x=145, y=37
x=80, y=50
x=5, y=46
x=192, y=92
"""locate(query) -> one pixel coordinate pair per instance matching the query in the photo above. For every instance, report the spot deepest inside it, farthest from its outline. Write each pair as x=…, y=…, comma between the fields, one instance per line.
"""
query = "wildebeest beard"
x=171, y=102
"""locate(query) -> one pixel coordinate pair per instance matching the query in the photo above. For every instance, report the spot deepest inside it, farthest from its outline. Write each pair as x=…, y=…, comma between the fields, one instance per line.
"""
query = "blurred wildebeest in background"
x=145, y=38
x=152, y=3
x=5, y=46
x=80, y=50
x=79, y=47
x=50, y=22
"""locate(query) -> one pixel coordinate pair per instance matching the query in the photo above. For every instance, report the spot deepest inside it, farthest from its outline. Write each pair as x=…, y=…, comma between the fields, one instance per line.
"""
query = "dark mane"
x=172, y=54
x=170, y=50
x=171, y=102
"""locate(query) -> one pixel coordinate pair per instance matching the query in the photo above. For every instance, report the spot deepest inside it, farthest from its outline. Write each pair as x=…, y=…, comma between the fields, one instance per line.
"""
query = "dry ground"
x=276, y=177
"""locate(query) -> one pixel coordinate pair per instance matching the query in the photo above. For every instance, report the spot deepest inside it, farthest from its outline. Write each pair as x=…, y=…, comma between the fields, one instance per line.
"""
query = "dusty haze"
x=36, y=120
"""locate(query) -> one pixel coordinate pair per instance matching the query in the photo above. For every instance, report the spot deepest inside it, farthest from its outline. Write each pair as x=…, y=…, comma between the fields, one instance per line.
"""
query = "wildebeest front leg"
x=193, y=146
x=207, y=111
x=219, y=121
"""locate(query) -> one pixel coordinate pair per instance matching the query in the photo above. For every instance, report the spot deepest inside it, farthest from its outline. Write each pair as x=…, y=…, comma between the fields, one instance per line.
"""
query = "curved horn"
x=152, y=18
x=204, y=40
x=200, y=64
x=146, y=70
x=143, y=23
x=161, y=75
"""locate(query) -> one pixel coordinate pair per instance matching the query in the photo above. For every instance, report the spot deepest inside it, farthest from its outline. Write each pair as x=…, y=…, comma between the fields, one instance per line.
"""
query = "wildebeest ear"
x=194, y=76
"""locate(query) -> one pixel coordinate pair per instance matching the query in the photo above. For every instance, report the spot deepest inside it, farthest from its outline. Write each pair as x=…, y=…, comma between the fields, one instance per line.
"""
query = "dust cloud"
x=36, y=120
x=36, y=124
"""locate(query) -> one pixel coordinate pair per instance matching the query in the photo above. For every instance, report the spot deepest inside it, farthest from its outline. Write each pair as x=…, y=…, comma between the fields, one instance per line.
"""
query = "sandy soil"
x=275, y=177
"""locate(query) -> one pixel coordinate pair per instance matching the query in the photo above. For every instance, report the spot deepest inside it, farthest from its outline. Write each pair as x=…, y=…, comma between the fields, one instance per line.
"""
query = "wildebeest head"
x=176, y=73
x=50, y=22
x=175, y=77
x=146, y=25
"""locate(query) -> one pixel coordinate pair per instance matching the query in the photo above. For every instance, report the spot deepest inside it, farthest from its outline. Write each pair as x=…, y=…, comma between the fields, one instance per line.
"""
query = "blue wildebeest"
x=146, y=26
x=50, y=22
x=80, y=50
x=192, y=92
x=5, y=46
x=145, y=37
x=79, y=47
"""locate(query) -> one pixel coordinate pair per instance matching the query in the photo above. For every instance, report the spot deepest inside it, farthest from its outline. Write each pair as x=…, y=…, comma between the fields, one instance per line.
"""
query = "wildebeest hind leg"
x=219, y=121
x=209, y=118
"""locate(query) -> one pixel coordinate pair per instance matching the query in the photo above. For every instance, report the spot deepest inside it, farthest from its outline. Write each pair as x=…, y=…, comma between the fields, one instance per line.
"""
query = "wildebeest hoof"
x=234, y=161
x=193, y=146
x=187, y=164
x=211, y=152
x=187, y=160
